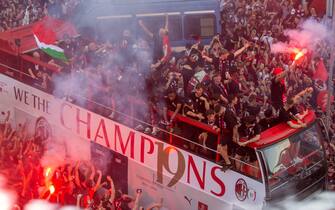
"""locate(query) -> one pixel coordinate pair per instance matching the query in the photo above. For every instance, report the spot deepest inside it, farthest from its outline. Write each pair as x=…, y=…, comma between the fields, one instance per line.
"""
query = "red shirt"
x=166, y=47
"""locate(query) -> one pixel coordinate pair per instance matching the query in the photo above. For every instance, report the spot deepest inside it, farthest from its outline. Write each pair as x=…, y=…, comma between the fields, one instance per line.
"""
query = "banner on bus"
x=171, y=166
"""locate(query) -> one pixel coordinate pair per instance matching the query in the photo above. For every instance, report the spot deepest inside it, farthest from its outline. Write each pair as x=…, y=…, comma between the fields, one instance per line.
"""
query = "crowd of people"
x=15, y=13
x=78, y=183
x=235, y=85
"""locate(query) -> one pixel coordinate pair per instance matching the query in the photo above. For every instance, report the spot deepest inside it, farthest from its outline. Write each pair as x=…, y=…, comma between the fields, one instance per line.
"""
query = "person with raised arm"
x=288, y=113
x=278, y=87
x=161, y=48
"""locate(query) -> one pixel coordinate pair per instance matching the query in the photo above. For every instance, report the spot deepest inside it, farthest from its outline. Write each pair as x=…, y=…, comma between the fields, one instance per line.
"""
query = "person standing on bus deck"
x=161, y=49
x=204, y=137
x=278, y=87
x=228, y=58
x=173, y=103
x=230, y=134
x=251, y=131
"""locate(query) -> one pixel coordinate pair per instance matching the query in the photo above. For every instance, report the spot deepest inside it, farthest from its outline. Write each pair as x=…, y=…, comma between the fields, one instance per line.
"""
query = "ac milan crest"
x=241, y=189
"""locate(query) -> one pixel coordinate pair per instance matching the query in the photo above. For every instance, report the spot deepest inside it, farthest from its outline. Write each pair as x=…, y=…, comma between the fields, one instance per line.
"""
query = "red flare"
x=52, y=189
x=47, y=172
x=299, y=53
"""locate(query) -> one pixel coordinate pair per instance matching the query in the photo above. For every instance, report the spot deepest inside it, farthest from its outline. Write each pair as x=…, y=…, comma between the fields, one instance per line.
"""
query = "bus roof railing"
x=31, y=59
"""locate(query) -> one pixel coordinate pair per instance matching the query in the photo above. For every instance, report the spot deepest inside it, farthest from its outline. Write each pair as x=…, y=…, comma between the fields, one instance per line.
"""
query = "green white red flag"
x=46, y=39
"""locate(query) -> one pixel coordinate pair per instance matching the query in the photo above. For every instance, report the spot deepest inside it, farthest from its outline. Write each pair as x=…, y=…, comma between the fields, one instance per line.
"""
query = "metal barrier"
x=172, y=137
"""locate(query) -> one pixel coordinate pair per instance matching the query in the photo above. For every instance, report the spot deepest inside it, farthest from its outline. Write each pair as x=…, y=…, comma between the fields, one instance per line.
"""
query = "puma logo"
x=188, y=200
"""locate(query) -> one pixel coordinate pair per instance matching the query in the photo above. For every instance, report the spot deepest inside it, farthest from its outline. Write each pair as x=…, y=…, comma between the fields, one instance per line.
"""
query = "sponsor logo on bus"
x=242, y=191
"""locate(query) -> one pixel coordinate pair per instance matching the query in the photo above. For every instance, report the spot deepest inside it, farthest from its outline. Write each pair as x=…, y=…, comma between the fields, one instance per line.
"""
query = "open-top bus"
x=290, y=162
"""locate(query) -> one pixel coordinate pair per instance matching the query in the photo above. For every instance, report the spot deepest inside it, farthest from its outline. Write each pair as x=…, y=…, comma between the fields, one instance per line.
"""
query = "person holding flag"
x=46, y=39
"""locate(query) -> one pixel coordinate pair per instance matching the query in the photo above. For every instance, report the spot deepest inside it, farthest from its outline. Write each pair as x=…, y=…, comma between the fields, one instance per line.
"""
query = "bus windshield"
x=294, y=159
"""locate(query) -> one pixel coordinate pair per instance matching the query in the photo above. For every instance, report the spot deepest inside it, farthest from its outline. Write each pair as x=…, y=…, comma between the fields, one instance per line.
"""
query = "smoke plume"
x=307, y=36
x=63, y=148
x=323, y=201
x=44, y=205
x=7, y=198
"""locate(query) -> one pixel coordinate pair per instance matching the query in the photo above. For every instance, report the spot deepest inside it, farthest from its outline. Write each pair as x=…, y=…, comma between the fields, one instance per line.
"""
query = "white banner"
x=171, y=166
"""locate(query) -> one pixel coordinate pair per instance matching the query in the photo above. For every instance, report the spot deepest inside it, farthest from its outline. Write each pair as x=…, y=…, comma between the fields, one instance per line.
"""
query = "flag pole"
x=331, y=70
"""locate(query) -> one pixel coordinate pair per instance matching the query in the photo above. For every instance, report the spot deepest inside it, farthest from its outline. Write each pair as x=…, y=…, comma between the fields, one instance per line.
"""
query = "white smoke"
x=44, y=205
x=63, y=148
x=7, y=198
x=39, y=205
x=308, y=35
x=60, y=146
x=323, y=201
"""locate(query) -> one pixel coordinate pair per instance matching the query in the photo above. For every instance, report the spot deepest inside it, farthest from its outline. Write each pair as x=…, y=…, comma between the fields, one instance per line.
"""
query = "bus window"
x=175, y=28
x=300, y=155
x=111, y=27
x=154, y=23
x=206, y=22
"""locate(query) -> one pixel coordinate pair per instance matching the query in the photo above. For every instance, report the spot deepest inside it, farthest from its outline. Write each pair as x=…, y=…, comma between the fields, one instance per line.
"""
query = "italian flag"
x=45, y=39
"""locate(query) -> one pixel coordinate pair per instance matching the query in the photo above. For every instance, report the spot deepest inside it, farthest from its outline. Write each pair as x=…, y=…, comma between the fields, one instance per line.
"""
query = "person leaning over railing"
x=37, y=73
x=188, y=131
x=288, y=112
x=205, y=137
x=173, y=103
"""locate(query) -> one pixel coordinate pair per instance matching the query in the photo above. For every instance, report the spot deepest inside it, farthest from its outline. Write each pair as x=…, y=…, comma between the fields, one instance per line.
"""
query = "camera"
x=139, y=190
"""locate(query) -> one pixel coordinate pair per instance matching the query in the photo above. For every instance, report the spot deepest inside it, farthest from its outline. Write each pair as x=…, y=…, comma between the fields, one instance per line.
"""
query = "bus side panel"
x=111, y=164
x=185, y=172
x=180, y=196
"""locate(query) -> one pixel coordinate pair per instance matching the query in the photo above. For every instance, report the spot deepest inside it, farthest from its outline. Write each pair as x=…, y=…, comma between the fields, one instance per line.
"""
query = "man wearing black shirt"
x=288, y=113
x=190, y=112
x=172, y=103
x=234, y=85
x=214, y=123
x=217, y=87
x=252, y=106
x=200, y=102
x=251, y=131
x=229, y=58
x=229, y=133
x=188, y=130
x=269, y=121
x=278, y=89
x=38, y=75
